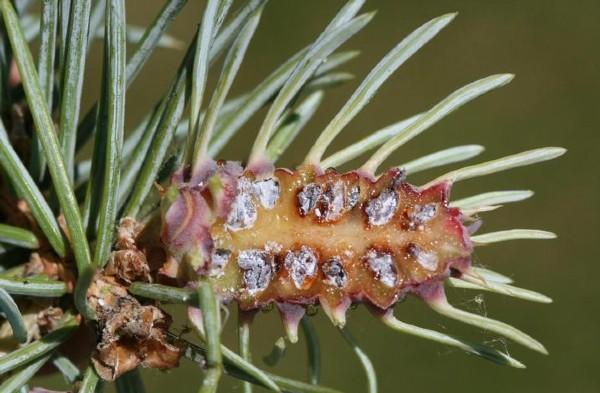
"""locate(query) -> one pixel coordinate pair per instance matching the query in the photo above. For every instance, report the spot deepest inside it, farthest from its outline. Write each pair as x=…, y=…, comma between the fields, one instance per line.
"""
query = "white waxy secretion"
x=381, y=209
x=428, y=260
x=267, y=192
x=301, y=265
x=421, y=214
x=399, y=178
x=308, y=197
x=331, y=202
x=258, y=269
x=243, y=210
x=353, y=196
x=218, y=261
x=334, y=272
x=384, y=267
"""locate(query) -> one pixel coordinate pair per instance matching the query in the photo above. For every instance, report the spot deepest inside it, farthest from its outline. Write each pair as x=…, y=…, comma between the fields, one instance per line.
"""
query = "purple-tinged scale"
x=334, y=272
x=381, y=209
x=267, y=192
x=382, y=264
x=301, y=265
x=218, y=260
x=331, y=203
x=421, y=214
x=429, y=260
x=308, y=197
x=258, y=269
x=243, y=212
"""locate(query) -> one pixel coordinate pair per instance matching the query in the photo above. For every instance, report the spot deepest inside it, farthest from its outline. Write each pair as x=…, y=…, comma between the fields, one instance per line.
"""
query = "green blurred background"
x=552, y=47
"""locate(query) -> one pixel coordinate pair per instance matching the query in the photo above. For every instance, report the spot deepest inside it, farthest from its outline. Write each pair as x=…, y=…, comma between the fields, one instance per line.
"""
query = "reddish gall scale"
x=298, y=237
